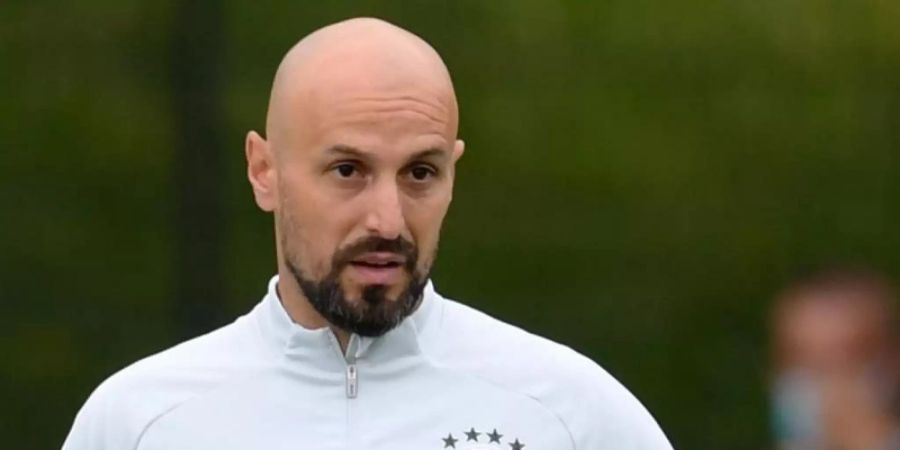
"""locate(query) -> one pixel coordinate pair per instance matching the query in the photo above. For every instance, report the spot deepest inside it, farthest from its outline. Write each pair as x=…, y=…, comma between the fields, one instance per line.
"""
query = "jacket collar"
x=319, y=348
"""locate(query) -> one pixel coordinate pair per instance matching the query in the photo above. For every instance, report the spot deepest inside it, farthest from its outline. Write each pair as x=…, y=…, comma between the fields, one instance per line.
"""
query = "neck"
x=301, y=311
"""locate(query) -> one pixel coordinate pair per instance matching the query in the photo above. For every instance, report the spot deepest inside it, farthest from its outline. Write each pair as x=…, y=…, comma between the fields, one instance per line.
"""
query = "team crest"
x=481, y=440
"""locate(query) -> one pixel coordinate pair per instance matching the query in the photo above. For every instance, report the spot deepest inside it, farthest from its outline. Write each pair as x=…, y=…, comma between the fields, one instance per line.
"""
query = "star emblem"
x=495, y=436
x=472, y=435
x=516, y=445
x=449, y=441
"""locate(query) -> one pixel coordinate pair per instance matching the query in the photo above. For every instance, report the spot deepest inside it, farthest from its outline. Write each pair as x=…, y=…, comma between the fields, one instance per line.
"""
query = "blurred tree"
x=197, y=51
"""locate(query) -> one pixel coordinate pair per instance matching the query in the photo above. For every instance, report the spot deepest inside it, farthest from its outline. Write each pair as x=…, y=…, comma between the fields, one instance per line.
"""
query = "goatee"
x=374, y=314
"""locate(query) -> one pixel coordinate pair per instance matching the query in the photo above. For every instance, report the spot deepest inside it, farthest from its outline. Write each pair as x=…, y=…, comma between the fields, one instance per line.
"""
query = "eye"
x=345, y=170
x=422, y=173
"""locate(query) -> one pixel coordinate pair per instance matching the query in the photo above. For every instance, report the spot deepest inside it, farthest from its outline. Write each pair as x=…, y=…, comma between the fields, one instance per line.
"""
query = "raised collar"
x=320, y=348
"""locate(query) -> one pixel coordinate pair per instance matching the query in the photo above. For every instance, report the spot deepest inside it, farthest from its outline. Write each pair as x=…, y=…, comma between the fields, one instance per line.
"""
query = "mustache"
x=399, y=246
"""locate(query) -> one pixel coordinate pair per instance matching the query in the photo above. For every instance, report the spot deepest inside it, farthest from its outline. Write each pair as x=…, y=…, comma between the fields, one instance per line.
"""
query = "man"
x=835, y=360
x=352, y=347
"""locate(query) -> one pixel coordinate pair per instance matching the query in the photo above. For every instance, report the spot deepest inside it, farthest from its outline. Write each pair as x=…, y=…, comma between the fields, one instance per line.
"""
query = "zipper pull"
x=352, y=383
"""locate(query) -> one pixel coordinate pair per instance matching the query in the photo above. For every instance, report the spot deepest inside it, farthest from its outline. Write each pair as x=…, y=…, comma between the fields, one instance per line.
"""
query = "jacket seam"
x=260, y=340
x=187, y=400
x=497, y=385
x=150, y=423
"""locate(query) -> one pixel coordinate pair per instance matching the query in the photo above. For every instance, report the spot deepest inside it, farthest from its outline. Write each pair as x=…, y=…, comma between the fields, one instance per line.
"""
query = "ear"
x=458, y=148
x=261, y=171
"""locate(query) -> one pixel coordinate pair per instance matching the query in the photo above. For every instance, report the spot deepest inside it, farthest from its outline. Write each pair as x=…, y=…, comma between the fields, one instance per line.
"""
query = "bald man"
x=352, y=347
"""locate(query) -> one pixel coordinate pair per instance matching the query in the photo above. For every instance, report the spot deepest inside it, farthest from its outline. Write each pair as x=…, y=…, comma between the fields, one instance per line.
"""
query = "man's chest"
x=432, y=410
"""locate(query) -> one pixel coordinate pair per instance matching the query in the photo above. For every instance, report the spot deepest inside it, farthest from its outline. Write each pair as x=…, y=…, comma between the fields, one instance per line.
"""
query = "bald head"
x=357, y=59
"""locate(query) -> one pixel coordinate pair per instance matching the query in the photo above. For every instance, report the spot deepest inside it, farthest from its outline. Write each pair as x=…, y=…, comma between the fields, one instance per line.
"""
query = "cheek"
x=313, y=227
x=296, y=244
x=424, y=218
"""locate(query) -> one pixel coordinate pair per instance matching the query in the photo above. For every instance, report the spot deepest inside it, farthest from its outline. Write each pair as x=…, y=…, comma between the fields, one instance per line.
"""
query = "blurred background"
x=641, y=178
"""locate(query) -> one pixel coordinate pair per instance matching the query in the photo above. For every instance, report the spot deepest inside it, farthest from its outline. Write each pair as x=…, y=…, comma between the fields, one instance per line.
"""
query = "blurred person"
x=835, y=379
x=352, y=347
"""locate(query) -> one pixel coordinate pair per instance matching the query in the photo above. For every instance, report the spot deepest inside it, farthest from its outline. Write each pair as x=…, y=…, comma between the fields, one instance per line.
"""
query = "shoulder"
x=595, y=408
x=121, y=407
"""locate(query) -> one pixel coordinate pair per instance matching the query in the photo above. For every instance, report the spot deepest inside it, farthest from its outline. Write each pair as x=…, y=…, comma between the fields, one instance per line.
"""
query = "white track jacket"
x=448, y=377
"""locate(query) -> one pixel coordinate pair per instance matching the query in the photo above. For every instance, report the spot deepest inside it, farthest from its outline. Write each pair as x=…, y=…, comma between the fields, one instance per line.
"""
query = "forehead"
x=374, y=119
x=820, y=331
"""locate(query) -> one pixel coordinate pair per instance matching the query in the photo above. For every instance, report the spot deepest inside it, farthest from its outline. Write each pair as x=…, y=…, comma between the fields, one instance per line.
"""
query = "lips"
x=380, y=260
x=378, y=268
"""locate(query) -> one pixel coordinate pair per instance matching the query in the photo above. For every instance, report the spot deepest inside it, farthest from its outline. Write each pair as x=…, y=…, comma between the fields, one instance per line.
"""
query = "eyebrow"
x=346, y=150
x=434, y=152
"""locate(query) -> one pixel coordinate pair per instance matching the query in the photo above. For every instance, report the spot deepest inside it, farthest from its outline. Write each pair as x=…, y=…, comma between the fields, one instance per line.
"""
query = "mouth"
x=378, y=268
x=378, y=261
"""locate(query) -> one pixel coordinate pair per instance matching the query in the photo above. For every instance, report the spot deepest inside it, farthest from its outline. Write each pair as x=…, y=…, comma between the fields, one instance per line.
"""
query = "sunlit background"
x=640, y=178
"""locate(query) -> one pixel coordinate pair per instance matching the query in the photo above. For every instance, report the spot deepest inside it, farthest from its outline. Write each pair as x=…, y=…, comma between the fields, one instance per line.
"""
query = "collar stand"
x=320, y=346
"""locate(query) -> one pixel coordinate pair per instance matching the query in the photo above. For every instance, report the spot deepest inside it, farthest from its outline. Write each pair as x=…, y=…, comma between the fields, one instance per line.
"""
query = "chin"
x=391, y=291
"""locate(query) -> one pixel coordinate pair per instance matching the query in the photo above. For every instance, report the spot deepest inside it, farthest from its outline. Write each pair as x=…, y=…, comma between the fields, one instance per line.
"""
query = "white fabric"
x=447, y=377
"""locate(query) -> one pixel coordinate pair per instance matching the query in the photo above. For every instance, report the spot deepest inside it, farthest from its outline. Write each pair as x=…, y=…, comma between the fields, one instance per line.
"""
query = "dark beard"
x=374, y=315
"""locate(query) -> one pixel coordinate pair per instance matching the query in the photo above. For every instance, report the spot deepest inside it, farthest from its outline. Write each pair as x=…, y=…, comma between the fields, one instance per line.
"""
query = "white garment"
x=447, y=377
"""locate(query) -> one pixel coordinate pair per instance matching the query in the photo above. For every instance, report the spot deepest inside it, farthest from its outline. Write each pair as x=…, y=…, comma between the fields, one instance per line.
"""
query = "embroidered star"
x=471, y=435
x=516, y=445
x=449, y=441
x=495, y=436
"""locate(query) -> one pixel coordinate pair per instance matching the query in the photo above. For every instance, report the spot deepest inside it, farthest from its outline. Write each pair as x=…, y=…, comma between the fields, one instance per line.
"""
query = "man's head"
x=834, y=320
x=834, y=360
x=358, y=166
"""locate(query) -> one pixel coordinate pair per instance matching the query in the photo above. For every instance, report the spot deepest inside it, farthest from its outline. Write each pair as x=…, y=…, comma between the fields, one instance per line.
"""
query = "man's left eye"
x=421, y=173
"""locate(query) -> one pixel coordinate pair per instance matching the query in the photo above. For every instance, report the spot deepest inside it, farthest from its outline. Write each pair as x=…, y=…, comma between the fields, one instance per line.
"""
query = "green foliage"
x=640, y=176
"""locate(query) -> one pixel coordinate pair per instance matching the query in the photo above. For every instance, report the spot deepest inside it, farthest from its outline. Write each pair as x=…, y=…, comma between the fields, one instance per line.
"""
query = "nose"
x=384, y=215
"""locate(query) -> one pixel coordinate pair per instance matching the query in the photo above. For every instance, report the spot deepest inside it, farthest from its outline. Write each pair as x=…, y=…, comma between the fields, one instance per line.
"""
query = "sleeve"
x=601, y=414
x=105, y=422
x=121, y=410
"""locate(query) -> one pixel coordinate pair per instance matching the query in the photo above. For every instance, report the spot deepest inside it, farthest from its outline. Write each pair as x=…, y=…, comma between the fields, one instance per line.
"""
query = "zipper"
x=352, y=373
x=352, y=380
